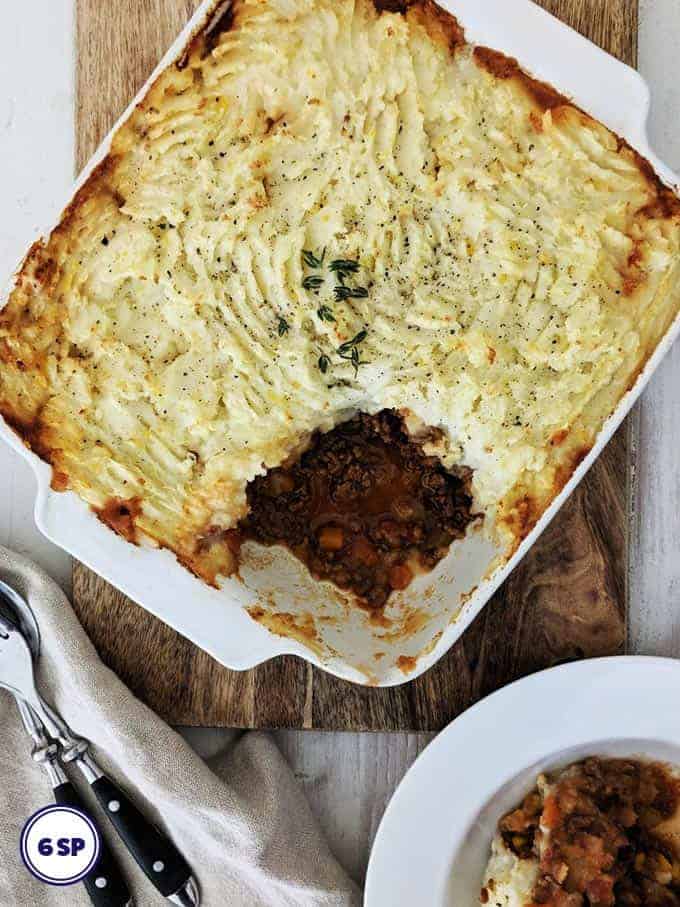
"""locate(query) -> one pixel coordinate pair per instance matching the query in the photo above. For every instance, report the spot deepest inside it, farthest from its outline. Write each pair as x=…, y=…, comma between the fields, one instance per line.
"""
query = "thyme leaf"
x=312, y=282
x=344, y=292
x=323, y=363
x=283, y=327
x=343, y=267
x=311, y=260
x=344, y=264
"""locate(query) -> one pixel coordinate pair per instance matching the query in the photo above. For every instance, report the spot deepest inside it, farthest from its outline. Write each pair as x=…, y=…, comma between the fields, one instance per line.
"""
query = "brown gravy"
x=363, y=506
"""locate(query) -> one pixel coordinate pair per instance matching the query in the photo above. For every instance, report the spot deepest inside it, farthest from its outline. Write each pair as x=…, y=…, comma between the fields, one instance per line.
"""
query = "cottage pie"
x=330, y=210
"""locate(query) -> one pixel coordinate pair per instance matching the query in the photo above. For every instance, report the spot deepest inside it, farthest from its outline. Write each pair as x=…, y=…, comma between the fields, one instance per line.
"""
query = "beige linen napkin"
x=240, y=821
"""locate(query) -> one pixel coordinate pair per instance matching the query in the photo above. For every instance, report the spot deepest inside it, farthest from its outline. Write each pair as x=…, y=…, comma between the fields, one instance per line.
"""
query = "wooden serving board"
x=566, y=600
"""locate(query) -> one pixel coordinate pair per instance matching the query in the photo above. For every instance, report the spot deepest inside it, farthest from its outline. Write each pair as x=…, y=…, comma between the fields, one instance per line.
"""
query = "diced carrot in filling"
x=594, y=836
x=400, y=576
x=331, y=538
x=362, y=502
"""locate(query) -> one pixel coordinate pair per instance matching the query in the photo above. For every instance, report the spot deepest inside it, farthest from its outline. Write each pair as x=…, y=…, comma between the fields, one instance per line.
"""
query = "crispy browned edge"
x=444, y=28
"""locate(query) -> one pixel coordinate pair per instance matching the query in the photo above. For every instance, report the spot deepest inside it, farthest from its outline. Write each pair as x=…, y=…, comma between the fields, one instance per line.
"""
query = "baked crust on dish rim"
x=164, y=345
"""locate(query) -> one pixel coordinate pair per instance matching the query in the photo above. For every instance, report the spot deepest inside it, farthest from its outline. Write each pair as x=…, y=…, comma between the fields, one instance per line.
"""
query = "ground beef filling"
x=364, y=506
x=601, y=840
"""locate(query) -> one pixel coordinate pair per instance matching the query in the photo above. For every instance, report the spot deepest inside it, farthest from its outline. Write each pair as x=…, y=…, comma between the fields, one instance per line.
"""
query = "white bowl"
x=437, y=608
x=434, y=840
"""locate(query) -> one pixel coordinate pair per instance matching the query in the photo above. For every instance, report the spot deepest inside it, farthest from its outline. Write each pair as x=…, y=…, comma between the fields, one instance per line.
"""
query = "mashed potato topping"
x=509, y=881
x=512, y=264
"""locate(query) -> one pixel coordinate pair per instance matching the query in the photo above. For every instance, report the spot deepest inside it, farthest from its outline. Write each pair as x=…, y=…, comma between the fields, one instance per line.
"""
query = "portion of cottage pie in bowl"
x=601, y=833
x=328, y=211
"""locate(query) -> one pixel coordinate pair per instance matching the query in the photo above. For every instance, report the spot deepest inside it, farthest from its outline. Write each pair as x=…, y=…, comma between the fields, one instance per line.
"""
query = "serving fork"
x=105, y=883
x=156, y=855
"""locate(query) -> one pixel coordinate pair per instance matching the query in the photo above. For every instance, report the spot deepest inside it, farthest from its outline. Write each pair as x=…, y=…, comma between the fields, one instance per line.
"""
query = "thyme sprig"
x=350, y=350
x=350, y=344
x=342, y=268
x=282, y=327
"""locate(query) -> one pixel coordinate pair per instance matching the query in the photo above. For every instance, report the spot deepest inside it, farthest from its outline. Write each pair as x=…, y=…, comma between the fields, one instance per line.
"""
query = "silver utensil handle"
x=44, y=750
x=105, y=883
x=155, y=853
x=73, y=749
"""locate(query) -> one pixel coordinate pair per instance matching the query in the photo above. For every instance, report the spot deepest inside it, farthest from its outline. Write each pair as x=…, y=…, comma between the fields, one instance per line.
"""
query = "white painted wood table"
x=348, y=777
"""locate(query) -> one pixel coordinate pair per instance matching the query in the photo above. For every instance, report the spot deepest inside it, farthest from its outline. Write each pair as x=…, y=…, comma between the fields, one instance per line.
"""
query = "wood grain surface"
x=566, y=600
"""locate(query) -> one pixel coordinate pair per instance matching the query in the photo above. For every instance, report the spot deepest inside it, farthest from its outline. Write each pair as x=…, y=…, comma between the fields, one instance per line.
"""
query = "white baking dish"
x=433, y=613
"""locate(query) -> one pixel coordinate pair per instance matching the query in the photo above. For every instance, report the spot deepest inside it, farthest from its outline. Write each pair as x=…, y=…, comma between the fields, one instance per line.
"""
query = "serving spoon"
x=105, y=883
x=156, y=855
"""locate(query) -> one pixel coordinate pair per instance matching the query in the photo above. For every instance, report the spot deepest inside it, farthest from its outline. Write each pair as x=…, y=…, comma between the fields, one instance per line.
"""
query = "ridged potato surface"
x=520, y=263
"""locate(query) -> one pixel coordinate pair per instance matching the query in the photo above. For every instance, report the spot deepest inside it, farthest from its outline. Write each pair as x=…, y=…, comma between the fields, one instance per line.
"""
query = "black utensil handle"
x=157, y=856
x=105, y=883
